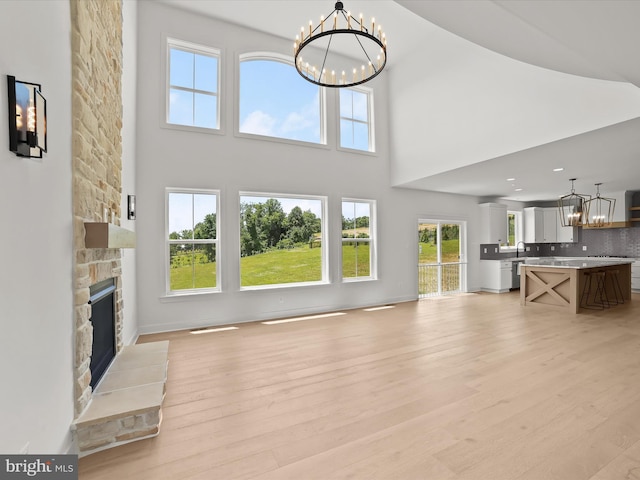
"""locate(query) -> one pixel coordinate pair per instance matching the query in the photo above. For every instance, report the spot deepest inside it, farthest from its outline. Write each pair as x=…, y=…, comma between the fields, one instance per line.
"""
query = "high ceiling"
x=590, y=38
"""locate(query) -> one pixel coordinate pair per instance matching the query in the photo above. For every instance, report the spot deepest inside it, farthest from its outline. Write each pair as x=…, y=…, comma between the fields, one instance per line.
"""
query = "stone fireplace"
x=96, y=44
x=126, y=404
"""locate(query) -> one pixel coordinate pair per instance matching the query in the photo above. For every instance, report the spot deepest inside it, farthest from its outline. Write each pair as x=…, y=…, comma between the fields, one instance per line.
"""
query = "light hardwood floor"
x=465, y=387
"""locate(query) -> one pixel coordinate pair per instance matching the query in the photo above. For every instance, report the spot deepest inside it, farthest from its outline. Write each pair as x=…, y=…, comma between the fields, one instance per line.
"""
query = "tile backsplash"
x=611, y=242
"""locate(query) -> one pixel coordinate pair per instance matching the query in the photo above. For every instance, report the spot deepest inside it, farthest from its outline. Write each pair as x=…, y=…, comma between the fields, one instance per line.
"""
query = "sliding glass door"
x=441, y=265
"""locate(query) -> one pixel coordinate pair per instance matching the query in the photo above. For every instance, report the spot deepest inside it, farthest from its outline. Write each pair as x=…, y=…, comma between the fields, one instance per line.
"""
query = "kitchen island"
x=576, y=284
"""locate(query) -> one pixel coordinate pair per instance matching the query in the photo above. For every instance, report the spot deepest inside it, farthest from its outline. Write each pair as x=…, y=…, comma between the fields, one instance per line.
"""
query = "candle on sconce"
x=333, y=77
x=322, y=24
x=310, y=27
x=370, y=68
x=344, y=78
x=335, y=21
x=361, y=23
x=380, y=32
x=373, y=26
x=349, y=20
x=378, y=62
x=354, y=74
x=301, y=34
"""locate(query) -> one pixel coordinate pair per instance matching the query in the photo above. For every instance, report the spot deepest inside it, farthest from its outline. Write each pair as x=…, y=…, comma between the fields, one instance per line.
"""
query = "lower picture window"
x=281, y=240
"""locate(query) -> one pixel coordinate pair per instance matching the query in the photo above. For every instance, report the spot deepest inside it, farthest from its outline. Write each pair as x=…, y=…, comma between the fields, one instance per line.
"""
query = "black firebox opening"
x=103, y=314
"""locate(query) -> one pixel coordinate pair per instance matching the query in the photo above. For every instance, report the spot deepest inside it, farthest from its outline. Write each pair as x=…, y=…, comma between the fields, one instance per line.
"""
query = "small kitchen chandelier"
x=330, y=50
x=600, y=209
x=572, y=208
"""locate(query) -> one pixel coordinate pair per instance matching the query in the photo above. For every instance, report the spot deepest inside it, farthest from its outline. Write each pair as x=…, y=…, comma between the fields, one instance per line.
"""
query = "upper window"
x=281, y=240
x=192, y=240
x=193, y=84
x=357, y=239
x=356, y=130
x=276, y=102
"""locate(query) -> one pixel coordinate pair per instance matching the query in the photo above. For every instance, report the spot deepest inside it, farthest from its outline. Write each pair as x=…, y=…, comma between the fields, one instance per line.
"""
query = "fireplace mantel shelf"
x=108, y=235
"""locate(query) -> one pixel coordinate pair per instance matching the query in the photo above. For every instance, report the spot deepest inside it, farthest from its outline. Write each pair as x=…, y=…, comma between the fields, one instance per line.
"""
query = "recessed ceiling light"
x=510, y=179
x=558, y=169
x=518, y=189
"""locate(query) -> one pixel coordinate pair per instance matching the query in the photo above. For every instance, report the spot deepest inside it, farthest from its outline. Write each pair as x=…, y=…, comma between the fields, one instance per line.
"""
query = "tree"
x=206, y=230
x=251, y=241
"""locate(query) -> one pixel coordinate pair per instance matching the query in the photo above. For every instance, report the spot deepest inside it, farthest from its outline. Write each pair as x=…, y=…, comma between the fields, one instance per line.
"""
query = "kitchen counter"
x=576, y=262
x=576, y=284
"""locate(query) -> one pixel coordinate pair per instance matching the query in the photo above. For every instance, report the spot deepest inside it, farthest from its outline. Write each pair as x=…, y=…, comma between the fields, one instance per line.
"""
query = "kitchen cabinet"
x=493, y=218
x=533, y=225
x=550, y=225
x=542, y=225
x=495, y=275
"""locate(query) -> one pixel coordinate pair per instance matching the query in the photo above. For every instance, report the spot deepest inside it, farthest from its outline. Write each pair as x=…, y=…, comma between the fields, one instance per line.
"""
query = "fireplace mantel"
x=108, y=235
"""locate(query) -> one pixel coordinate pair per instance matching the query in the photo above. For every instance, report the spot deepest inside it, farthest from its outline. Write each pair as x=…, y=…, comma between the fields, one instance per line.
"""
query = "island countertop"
x=576, y=262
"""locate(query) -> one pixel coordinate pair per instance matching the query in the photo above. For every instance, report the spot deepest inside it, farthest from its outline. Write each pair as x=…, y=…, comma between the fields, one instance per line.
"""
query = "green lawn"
x=301, y=264
x=450, y=252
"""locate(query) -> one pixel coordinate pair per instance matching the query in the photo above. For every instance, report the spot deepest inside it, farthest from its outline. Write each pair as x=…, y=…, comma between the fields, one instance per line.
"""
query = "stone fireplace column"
x=97, y=164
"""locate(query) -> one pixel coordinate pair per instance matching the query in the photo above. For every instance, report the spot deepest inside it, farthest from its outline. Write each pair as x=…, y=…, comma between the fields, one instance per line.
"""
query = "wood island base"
x=576, y=289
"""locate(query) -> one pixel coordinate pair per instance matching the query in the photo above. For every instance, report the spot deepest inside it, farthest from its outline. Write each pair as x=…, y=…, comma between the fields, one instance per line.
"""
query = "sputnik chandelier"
x=341, y=51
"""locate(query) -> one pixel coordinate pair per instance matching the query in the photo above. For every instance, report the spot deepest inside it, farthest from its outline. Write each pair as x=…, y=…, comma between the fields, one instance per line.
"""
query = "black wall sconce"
x=131, y=207
x=27, y=118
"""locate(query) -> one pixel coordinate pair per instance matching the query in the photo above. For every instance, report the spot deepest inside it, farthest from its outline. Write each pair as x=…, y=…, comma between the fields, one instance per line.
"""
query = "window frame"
x=372, y=241
x=370, y=121
x=198, y=49
x=287, y=60
x=169, y=242
x=324, y=255
x=518, y=230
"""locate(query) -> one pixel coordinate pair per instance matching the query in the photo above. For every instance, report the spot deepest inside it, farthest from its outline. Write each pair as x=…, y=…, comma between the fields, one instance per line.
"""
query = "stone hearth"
x=126, y=405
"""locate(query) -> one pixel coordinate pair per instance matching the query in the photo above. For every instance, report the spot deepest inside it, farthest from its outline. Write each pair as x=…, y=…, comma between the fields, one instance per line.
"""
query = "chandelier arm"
x=366, y=54
x=326, y=53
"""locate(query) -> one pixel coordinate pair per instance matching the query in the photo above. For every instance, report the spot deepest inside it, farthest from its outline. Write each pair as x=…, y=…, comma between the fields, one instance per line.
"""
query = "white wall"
x=36, y=294
x=498, y=104
x=173, y=158
x=129, y=78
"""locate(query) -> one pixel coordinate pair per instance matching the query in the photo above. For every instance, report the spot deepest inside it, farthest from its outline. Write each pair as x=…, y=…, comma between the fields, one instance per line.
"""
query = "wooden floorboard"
x=469, y=387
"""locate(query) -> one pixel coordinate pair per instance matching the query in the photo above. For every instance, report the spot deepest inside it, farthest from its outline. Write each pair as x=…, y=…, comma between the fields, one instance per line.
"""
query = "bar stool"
x=599, y=292
x=614, y=281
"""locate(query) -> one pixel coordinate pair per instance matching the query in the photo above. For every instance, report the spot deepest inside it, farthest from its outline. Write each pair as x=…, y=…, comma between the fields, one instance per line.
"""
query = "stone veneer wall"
x=96, y=46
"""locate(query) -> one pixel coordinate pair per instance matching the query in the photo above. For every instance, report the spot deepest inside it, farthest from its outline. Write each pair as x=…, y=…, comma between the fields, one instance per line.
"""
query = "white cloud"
x=259, y=123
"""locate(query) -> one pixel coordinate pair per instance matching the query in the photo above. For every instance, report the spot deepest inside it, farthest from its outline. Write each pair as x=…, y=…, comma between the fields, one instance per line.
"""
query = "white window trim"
x=170, y=42
x=168, y=243
x=288, y=60
x=372, y=241
x=519, y=231
x=324, y=257
x=370, y=123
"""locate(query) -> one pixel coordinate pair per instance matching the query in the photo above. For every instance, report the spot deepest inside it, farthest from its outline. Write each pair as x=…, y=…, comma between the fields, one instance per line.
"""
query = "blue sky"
x=276, y=101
